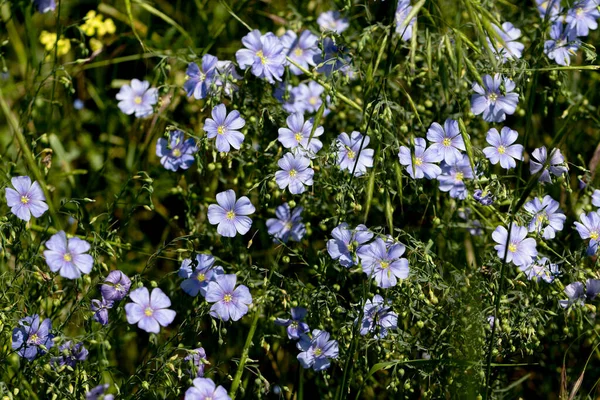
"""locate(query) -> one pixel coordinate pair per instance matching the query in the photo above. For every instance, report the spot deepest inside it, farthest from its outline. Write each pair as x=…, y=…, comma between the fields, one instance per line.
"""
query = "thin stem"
x=240, y=370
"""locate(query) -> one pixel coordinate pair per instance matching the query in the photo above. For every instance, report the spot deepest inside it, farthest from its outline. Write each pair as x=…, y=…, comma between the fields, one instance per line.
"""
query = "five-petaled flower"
x=264, y=53
x=229, y=302
x=231, y=215
x=424, y=160
x=294, y=326
x=199, y=80
x=582, y=16
x=563, y=43
x=511, y=49
x=32, y=338
x=517, y=248
x=539, y=162
x=502, y=148
x=332, y=21
x=495, y=99
x=352, y=153
x=176, y=152
x=68, y=256
x=225, y=127
x=384, y=263
x=301, y=49
x=546, y=216
x=346, y=242
x=452, y=178
x=378, y=317
x=288, y=224
x=295, y=173
x=297, y=135
x=318, y=351
x=149, y=311
x=446, y=141
x=138, y=98
x=197, y=280
x=26, y=199
x=589, y=228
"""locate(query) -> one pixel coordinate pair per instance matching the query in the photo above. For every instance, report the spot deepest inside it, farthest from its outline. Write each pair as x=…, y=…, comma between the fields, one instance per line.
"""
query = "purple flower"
x=204, y=389
x=318, y=351
x=115, y=286
x=549, y=8
x=538, y=161
x=495, y=99
x=541, y=269
x=502, y=148
x=562, y=45
x=231, y=215
x=43, y=6
x=196, y=281
x=596, y=198
x=264, y=54
x=67, y=256
x=384, y=263
x=300, y=49
x=100, y=309
x=378, y=317
x=225, y=127
x=333, y=58
x=70, y=354
x=295, y=326
x=485, y=200
x=199, y=80
x=332, y=21
x=447, y=141
x=589, y=228
x=404, y=8
x=295, y=173
x=149, y=311
x=78, y=104
x=225, y=77
x=297, y=135
x=452, y=178
x=26, y=199
x=348, y=157
x=582, y=16
x=288, y=224
x=424, y=160
x=138, y=98
x=521, y=251
x=230, y=302
x=97, y=392
x=307, y=98
x=546, y=216
x=198, y=360
x=509, y=35
x=576, y=294
x=32, y=339
x=346, y=242
x=176, y=153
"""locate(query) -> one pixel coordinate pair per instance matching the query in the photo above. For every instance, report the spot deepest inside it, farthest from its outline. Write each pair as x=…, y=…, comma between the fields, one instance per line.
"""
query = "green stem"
x=52, y=231
x=240, y=370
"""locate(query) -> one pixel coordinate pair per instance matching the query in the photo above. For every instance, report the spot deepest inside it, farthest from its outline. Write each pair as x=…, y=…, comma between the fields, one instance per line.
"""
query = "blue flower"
x=97, y=393
x=582, y=16
x=297, y=135
x=541, y=269
x=138, y=98
x=509, y=35
x=43, y=6
x=32, y=338
x=554, y=166
x=348, y=149
x=115, y=286
x=295, y=173
x=198, y=359
x=307, y=98
x=70, y=354
x=502, y=148
x=446, y=141
x=576, y=294
x=100, y=309
x=176, y=153
x=226, y=76
x=549, y=8
x=199, y=80
x=333, y=58
x=318, y=351
x=521, y=250
x=404, y=8
x=424, y=160
x=205, y=389
x=562, y=45
x=378, y=317
x=288, y=224
x=384, y=263
x=452, y=178
x=300, y=49
x=295, y=326
x=589, y=228
x=332, y=21
x=485, y=200
x=230, y=303
x=546, y=216
x=225, y=127
x=596, y=198
x=495, y=99
x=26, y=199
x=346, y=242
x=197, y=280
x=68, y=256
x=149, y=311
x=230, y=215
x=264, y=53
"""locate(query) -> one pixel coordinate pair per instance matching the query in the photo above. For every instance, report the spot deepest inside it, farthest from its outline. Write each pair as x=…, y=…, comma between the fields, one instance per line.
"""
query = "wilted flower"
x=70, y=354
x=406, y=30
x=295, y=326
x=541, y=269
x=230, y=215
x=352, y=154
x=295, y=173
x=100, y=309
x=138, y=98
x=509, y=35
x=149, y=311
x=495, y=99
x=332, y=21
x=485, y=200
x=346, y=242
x=115, y=286
x=384, y=263
x=378, y=317
x=446, y=141
x=502, y=148
x=32, y=338
x=196, y=281
x=198, y=359
x=589, y=228
x=582, y=16
x=562, y=45
x=26, y=199
x=288, y=224
x=204, y=389
x=546, y=216
x=521, y=250
x=225, y=76
x=67, y=256
x=225, y=127
x=199, y=80
x=300, y=49
x=538, y=161
x=318, y=351
x=176, y=153
x=424, y=160
x=452, y=178
x=264, y=53
x=229, y=302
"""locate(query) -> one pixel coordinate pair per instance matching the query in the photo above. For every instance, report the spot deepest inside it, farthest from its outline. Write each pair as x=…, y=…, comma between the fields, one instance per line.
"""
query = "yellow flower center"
x=313, y=100
x=501, y=149
x=137, y=100
x=148, y=311
x=293, y=173
x=202, y=77
x=118, y=287
x=541, y=217
x=221, y=130
x=579, y=11
x=594, y=235
x=288, y=225
x=493, y=97
x=298, y=137
x=447, y=142
x=33, y=338
x=351, y=154
x=201, y=277
x=230, y=215
x=318, y=351
x=67, y=257
x=384, y=264
x=418, y=161
x=459, y=176
x=512, y=247
x=262, y=57
x=176, y=153
x=227, y=298
x=24, y=200
x=298, y=52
